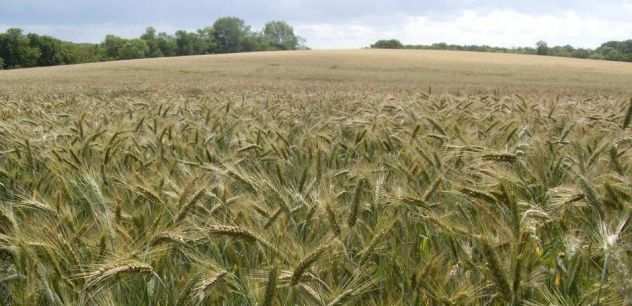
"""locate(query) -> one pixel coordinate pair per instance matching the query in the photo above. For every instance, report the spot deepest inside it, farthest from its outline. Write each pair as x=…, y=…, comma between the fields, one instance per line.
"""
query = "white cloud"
x=508, y=28
x=496, y=27
x=341, y=36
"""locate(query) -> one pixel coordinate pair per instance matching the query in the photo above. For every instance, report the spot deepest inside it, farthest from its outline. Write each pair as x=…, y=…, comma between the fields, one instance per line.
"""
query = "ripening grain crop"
x=317, y=178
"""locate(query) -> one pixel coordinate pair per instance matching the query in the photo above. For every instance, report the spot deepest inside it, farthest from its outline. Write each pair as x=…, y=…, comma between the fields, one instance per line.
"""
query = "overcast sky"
x=340, y=23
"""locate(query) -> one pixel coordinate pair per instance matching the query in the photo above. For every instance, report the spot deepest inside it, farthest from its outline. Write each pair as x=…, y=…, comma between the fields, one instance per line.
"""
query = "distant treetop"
x=612, y=50
x=226, y=35
x=387, y=44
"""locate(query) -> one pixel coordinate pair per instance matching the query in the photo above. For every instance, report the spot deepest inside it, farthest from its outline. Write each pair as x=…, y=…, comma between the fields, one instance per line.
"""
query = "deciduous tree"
x=280, y=35
x=229, y=33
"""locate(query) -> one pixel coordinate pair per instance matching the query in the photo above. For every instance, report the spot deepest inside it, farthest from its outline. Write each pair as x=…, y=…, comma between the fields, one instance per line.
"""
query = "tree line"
x=226, y=35
x=612, y=50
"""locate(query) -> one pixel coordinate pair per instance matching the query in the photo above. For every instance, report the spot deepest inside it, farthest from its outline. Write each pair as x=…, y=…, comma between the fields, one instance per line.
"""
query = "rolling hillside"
x=395, y=69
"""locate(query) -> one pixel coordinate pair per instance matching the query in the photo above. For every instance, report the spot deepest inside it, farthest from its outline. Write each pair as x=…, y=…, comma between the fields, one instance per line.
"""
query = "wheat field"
x=355, y=177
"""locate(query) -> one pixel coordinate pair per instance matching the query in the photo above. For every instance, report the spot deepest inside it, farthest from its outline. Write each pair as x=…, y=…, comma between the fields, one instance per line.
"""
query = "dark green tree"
x=153, y=45
x=134, y=48
x=16, y=51
x=112, y=46
x=167, y=44
x=253, y=42
x=611, y=53
x=616, y=50
x=229, y=32
x=542, y=48
x=185, y=43
x=200, y=42
x=280, y=35
x=205, y=42
x=83, y=53
x=52, y=51
x=582, y=53
x=388, y=44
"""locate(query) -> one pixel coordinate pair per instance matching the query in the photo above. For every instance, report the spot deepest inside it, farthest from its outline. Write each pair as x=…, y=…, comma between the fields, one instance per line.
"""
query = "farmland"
x=356, y=177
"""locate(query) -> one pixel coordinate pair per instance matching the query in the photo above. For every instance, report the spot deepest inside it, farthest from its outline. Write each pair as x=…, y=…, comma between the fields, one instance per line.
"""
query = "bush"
x=134, y=48
x=387, y=44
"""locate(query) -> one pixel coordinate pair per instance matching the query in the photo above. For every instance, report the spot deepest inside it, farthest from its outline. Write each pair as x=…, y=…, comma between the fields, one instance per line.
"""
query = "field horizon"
x=447, y=71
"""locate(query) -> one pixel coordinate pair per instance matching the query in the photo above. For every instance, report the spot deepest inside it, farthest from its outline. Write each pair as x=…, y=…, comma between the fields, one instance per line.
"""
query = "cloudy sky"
x=340, y=23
